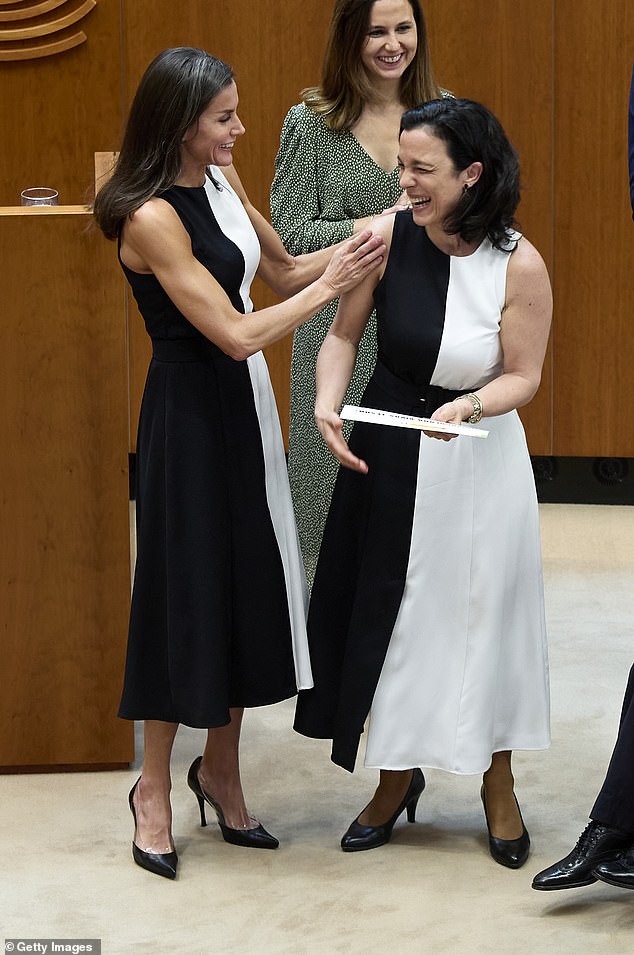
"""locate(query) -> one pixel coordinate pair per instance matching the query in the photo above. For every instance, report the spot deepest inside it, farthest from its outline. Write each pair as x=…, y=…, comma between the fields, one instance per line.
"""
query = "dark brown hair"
x=176, y=88
x=345, y=86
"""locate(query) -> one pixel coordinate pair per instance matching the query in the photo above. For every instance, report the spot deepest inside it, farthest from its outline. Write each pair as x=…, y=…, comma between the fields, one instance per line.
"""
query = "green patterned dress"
x=324, y=180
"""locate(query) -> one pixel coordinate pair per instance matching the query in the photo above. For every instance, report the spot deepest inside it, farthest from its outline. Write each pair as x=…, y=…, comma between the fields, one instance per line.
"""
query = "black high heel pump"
x=255, y=838
x=161, y=863
x=512, y=853
x=359, y=837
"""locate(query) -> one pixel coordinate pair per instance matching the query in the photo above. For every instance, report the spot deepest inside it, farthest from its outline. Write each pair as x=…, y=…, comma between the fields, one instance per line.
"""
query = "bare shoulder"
x=527, y=282
x=526, y=264
x=155, y=231
x=384, y=226
x=153, y=214
x=152, y=235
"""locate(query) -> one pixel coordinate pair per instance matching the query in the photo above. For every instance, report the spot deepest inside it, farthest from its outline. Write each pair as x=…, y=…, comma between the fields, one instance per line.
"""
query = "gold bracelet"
x=477, y=408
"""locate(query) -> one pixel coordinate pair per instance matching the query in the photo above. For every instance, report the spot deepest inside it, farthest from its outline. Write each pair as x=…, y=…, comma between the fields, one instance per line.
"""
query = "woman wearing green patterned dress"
x=336, y=170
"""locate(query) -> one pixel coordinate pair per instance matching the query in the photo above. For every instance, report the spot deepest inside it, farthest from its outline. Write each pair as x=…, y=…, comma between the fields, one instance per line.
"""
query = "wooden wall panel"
x=594, y=235
x=56, y=111
x=64, y=564
x=507, y=64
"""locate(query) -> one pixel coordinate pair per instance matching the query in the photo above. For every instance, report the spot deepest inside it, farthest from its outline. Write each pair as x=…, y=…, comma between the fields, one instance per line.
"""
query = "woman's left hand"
x=452, y=413
x=331, y=428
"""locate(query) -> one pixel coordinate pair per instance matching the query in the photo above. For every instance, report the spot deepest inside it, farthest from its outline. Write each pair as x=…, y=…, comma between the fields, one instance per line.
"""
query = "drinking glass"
x=38, y=196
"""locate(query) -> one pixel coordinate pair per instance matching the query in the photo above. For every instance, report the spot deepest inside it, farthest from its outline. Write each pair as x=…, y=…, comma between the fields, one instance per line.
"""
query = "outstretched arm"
x=286, y=274
x=155, y=241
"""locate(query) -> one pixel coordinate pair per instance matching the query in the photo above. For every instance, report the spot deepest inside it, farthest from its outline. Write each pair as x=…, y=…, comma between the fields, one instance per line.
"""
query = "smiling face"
x=391, y=40
x=210, y=140
x=433, y=184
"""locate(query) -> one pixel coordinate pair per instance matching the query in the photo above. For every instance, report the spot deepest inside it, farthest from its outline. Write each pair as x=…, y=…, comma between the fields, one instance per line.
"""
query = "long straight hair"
x=176, y=88
x=345, y=87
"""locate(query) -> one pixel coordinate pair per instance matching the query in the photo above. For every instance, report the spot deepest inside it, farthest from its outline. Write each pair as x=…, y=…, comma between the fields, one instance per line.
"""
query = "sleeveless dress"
x=324, y=180
x=427, y=607
x=219, y=598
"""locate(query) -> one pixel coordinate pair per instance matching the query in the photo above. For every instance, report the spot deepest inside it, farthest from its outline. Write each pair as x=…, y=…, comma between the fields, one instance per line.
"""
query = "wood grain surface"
x=64, y=563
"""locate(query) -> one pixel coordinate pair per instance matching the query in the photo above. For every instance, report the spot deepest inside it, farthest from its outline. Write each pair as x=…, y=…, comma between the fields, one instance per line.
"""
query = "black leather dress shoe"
x=359, y=837
x=512, y=853
x=597, y=843
x=160, y=863
x=619, y=871
x=254, y=838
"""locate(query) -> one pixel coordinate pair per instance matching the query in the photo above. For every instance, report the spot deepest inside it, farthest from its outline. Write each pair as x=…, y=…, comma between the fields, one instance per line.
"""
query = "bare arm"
x=524, y=330
x=155, y=241
x=286, y=274
x=337, y=356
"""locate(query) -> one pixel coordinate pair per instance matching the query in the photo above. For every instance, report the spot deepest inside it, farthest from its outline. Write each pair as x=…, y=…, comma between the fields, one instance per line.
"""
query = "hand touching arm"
x=155, y=241
x=309, y=154
x=286, y=274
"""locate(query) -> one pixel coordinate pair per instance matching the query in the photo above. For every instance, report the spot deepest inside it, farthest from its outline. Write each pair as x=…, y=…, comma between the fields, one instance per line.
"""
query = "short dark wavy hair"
x=473, y=134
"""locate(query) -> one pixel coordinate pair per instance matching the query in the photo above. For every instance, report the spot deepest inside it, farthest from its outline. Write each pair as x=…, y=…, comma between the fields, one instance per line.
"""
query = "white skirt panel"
x=466, y=672
x=281, y=509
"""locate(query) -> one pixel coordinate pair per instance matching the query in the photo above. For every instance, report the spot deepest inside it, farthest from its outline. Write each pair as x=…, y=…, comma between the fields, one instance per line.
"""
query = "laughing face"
x=428, y=175
x=391, y=40
x=210, y=140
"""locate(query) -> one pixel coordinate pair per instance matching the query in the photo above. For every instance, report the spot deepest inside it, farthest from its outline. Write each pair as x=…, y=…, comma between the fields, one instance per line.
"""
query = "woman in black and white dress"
x=427, y=609
x=217, y=617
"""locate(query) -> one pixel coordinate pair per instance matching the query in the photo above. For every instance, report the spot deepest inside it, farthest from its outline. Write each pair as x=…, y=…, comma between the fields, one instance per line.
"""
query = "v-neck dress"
x=324, y=180
x=427, y=610
x=219, y=598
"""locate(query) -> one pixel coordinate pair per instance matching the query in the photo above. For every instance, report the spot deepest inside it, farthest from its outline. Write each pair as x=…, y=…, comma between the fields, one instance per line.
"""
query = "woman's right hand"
x=354, y=260
x=331, y=428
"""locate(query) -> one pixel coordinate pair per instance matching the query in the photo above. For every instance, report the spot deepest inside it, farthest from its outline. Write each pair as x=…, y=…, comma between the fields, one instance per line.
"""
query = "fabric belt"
x=426, y=397
x=185, y=349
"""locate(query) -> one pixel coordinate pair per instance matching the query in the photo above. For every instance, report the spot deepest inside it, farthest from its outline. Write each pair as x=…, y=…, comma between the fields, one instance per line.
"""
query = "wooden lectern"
x=64, y=518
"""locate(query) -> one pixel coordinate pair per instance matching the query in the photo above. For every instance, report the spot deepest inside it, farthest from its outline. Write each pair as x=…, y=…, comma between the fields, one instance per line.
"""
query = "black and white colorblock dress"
x=427, y=610
x=219, y=600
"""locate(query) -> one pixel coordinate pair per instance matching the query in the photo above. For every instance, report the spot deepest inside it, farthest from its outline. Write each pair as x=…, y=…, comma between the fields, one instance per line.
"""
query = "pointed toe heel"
x=160, y=863
x=255, y=838
x=359, y=837
x=511, y=853
x=164, y=863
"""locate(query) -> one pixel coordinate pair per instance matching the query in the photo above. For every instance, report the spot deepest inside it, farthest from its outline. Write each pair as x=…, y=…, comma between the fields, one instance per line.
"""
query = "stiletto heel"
x=201, y=806
x=255, y=838
x=359, y=837
x=512, y=853
x=160, y=863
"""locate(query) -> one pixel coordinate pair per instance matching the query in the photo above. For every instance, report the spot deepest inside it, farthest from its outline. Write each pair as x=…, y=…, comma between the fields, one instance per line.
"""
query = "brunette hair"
x=473, y=134
x=176, y=88
x=345, y=86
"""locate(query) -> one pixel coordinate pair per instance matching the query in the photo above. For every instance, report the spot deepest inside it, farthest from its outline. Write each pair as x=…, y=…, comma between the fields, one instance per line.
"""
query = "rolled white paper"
x=394, y=420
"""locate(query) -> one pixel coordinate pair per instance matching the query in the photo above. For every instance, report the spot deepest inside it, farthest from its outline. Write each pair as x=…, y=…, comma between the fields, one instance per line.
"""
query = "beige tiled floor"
x=65, y=839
